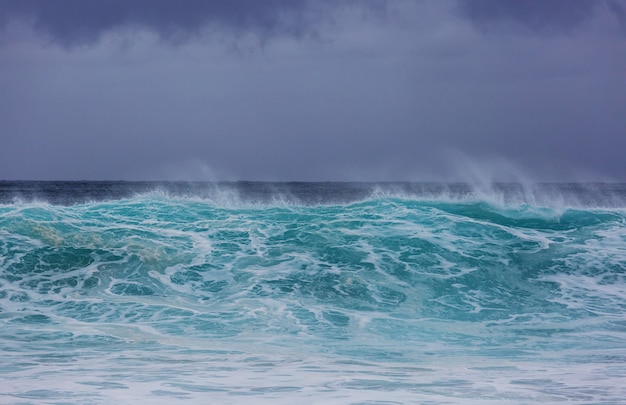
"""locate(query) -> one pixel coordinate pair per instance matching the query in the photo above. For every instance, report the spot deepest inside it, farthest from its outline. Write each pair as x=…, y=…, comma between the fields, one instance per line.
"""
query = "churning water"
x=312, y=293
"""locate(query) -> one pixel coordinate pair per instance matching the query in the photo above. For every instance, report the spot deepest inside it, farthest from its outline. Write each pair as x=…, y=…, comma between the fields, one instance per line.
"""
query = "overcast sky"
x=313, y=90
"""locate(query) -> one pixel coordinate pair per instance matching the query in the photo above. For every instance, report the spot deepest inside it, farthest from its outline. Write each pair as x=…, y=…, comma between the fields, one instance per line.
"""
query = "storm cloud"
x=78, y=22
x=323, y=90
x=552, y=16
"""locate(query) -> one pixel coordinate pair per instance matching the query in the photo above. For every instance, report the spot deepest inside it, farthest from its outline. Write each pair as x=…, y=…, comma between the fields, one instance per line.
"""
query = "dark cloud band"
x=542, y=16
x=71, y=22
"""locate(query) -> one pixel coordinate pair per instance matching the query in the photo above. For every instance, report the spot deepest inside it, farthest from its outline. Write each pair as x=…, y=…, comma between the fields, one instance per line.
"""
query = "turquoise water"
x=316, y=293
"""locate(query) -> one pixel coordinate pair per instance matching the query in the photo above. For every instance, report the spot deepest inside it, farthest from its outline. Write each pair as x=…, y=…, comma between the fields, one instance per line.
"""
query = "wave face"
x=314, y=292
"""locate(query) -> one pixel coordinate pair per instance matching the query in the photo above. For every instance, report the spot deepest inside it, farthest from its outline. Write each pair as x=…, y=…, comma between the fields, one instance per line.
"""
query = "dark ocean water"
x=118, y=292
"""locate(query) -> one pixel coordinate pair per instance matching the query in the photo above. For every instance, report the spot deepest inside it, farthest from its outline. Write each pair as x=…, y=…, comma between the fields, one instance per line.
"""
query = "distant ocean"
x=329, y=293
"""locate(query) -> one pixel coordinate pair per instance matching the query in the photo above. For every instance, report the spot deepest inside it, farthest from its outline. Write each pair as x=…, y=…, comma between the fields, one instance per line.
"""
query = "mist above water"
x=555, y=195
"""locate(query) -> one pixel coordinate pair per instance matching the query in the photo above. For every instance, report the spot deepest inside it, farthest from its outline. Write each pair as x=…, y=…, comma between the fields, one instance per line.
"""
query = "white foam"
x=276, y=376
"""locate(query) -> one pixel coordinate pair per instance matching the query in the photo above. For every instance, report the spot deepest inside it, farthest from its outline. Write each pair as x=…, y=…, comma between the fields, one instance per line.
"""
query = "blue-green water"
x=312, y=293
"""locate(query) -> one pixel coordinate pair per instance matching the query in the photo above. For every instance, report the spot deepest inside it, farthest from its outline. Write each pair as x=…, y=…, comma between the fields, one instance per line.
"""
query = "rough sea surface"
x=330, y=293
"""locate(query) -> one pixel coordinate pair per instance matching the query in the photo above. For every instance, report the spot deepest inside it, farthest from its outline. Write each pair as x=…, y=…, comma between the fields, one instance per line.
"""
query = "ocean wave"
x=382, y=279
x=262, y=194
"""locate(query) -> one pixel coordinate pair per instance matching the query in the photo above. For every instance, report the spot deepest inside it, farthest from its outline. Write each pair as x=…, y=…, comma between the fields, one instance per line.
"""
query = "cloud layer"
x=72, y=22
x=547, y=17
x=401, y=90
x=77, y=22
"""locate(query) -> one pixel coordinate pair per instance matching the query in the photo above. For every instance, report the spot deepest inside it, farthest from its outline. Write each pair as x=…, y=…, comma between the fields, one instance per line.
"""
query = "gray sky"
x=313, y=90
